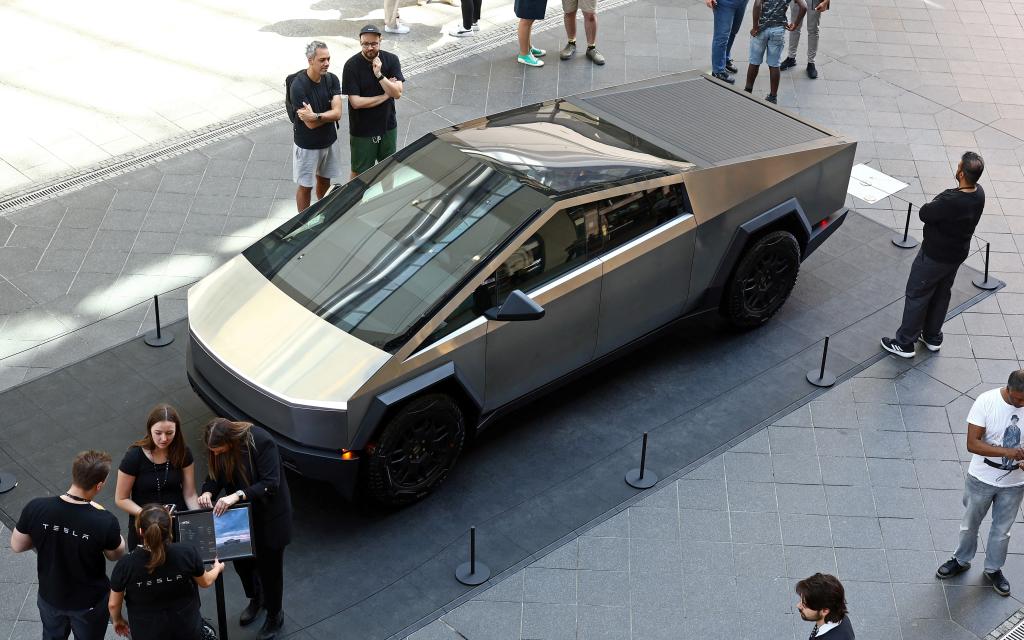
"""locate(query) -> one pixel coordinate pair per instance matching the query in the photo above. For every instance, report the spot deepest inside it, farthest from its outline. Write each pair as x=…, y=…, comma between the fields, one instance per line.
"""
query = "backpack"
x=288, y=106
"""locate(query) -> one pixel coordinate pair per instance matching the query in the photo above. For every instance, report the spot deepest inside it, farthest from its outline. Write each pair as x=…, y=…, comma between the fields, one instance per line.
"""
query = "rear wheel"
x=763, y=280
x=416, y=450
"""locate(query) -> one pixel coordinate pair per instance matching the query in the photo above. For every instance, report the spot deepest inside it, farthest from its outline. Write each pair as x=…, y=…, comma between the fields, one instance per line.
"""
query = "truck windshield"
x=377, y=256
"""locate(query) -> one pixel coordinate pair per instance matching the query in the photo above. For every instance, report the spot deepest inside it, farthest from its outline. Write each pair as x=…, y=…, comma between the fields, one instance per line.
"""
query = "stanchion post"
x=472, y=573
x=986, y=283
x=158, y=338
x=820, y=377
x=222, y=616
x=905, y=241
x=642, y=478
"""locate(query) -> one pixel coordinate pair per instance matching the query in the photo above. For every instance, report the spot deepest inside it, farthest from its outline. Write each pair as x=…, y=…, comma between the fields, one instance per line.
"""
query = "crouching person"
x=158, y=581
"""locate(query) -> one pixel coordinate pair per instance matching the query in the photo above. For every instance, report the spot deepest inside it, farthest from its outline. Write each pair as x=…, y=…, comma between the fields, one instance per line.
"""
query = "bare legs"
x=774, y=74
x=525, y=27
x=303, y=195
x=589, y=26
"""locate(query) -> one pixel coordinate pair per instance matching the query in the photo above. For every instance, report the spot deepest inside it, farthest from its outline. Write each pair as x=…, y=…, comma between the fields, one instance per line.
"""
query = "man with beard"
x=823, y=602
x=372, y=79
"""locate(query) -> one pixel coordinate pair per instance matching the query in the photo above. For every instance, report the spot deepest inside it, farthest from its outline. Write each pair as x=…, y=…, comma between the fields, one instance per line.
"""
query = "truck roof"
x=696, y=117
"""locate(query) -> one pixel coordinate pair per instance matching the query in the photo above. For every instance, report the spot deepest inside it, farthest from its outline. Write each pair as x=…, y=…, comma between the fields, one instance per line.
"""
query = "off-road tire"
x=763, y=280
x=428, y=430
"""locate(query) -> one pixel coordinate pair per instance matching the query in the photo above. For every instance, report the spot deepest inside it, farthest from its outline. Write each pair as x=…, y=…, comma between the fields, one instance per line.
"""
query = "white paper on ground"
x=871, y=185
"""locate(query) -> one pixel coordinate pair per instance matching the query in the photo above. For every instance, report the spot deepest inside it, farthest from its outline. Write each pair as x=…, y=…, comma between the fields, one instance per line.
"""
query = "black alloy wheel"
x=763, y=280
x=416, y=450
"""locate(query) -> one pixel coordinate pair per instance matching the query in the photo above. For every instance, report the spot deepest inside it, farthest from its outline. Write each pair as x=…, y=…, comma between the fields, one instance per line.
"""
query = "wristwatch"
x=319, y=116
x=240, y=494
x=380, y=77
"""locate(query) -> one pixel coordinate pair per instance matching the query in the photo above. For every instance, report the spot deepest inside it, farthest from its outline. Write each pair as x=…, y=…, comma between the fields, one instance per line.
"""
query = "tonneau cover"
x=699, y=118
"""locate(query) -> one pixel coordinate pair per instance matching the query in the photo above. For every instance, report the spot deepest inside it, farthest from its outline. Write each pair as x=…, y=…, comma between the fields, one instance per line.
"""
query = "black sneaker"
x=950, y=568
x=812, y=71
x=932, y=344
x=897, y=349
x=999, y=582
x=723, y=76
x=788, y=63
x=772, y=98
x=730, y=66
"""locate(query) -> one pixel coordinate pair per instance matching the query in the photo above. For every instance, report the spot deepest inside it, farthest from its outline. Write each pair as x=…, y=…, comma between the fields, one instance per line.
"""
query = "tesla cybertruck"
x=487, y=262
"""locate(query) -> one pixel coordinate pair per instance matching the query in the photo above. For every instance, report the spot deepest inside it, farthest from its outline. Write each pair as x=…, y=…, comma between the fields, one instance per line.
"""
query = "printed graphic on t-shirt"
x=1011, y=440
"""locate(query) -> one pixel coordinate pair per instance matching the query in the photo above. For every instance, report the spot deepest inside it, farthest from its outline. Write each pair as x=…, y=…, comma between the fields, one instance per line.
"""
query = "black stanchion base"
x=986, y=284
x=7, y=482
x=480, y=576
x=814, y=377
x=164, y=339
x=908, y=243
x=634, y=480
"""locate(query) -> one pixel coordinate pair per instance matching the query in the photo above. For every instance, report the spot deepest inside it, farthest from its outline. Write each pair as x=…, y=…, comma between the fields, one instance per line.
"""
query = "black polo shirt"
x=357, y=79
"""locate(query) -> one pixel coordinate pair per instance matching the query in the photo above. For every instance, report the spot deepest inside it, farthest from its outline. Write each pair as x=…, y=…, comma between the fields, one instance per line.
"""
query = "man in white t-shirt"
x=995, y=480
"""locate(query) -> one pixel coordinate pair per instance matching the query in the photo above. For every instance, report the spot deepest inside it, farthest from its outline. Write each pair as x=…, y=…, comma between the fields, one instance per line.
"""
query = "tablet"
x=225, y=537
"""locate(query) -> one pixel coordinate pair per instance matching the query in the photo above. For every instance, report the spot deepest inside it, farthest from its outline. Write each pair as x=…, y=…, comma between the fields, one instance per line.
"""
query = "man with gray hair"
x=995, y=481
x=949, y=223
x=315, y=97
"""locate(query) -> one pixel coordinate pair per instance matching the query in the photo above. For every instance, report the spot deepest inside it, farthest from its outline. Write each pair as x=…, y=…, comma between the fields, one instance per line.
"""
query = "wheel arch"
x=445, y=378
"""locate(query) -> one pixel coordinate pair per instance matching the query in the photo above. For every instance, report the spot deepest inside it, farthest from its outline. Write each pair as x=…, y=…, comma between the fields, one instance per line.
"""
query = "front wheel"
x=763, y=280
x=416, y=450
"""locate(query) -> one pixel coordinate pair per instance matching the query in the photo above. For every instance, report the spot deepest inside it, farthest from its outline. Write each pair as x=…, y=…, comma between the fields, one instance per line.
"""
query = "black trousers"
x=470, y=12
x=263, y=577
x=928, y=295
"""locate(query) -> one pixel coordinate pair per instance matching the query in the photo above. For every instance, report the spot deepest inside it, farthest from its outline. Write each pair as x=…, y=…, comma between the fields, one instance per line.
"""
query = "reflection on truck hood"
x=268, y=340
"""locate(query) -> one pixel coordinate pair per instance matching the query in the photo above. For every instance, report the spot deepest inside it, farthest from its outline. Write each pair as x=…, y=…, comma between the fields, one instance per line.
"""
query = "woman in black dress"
x=157, y=469
x=158, y=580
x=245, y=465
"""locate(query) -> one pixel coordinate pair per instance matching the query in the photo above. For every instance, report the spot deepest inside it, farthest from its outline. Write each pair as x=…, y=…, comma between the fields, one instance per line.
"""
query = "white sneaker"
x=476, y=26
x=459, y=32
x=398, y=28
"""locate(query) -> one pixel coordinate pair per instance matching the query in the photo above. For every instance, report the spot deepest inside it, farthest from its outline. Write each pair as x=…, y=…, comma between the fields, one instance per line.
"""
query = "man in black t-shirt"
x=316, y=97
x=372, y=79
x=71, y=535
x=949, y=223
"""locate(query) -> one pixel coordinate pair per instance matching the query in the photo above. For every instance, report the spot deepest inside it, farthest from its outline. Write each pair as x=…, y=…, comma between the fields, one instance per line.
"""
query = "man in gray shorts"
x=589, y=9
x=316, y=97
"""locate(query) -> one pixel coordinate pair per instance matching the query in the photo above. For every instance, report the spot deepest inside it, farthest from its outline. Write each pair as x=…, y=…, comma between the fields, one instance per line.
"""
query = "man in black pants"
x=71, y=535
x=949, y=223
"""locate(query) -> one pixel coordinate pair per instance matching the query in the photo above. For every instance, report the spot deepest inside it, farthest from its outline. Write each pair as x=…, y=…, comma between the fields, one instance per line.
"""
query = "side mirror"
x=518, y=306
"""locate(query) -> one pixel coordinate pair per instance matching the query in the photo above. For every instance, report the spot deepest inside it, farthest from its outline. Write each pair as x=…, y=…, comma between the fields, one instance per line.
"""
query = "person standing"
x=158, y=581
x=391, y=22
x=823, y=602
x=157, y=469
x=316, y=97
x=949, y=223
x=528, y=12
x=245, y=465
x=994, y=481
x=372, y=79
x=768, y=35
x=72, y=535
x=728, y=20
x=589, y=9
x=813, y=21
x=470, y=19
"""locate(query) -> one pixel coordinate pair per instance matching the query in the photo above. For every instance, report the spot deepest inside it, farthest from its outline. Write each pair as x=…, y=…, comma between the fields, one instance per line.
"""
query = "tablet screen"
x=227, y=537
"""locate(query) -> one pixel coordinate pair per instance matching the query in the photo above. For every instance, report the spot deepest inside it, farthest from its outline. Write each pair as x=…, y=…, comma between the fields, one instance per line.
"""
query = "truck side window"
x=627, y=217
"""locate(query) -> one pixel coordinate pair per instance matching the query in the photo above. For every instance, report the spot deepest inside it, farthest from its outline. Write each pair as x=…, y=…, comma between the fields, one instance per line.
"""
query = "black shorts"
x=531, y=9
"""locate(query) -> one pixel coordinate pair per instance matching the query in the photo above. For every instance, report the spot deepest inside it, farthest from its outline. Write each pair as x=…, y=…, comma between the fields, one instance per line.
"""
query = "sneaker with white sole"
x=897, y=349
x=530, y=61
x=476, y=26
x=537, y=53
x=932, y=344
x=398, y=28
x=459, y=32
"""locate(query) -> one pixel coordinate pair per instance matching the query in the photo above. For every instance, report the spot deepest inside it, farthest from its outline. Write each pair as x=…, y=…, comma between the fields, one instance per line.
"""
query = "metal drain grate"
x=240, y=124
x=1011, y=629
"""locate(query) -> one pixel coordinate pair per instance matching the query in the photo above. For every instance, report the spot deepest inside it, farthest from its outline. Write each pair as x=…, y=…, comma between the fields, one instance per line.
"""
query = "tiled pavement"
x=863, y=482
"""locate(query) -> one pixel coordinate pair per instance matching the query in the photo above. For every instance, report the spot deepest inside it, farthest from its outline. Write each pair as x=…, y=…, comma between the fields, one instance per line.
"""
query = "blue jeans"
x=728, y=20
x=978, y=497
x=87, y=624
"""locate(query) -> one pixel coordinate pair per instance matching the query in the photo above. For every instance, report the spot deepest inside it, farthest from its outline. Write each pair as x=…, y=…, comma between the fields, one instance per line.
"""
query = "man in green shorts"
x=372, y=79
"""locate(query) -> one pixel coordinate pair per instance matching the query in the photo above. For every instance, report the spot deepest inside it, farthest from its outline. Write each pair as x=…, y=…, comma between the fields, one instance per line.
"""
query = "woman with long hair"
x=156, y=469
x=244, y=465
x=158, y=581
